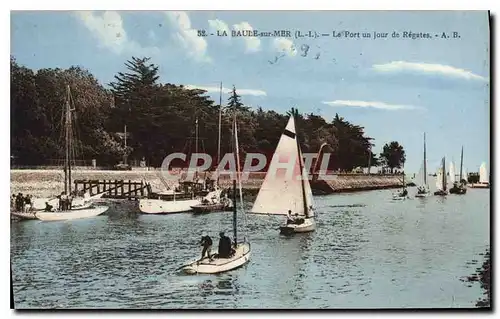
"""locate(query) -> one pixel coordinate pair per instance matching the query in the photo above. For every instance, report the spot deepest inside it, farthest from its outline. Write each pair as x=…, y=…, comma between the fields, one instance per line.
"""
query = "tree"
x=393, y=155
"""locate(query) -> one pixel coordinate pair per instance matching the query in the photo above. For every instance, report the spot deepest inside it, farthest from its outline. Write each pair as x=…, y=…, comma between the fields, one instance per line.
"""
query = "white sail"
x=307, y=188
x=439, y=179
x=452, y=173
x=483, y=174
x=419, y=178
x=280, y=191
x=464, y=174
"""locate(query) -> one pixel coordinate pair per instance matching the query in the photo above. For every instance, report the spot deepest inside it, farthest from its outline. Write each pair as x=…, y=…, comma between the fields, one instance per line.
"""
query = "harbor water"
x=367, y=252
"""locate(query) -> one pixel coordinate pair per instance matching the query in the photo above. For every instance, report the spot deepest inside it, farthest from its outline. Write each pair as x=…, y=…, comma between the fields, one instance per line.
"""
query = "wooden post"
x=104, y=187
x=98, y=187
x=116, y=188
x=129, y=189
x=142, y=189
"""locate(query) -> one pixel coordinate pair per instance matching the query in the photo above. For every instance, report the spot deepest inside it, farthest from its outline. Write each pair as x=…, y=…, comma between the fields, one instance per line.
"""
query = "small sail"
x=419, y=178
x=483, y=174
x=452, y=173
x=439, y=179
x=308, y=191
x=280, y=191
x=464, y=174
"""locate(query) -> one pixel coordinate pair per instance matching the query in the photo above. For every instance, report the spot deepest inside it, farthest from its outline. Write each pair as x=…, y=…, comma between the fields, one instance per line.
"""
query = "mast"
x=461, y=163
x=196, y=147
x=306, y=211
x=444, y=173
x=425, y=164
x=220, y=124
x=67, y=162
x=234, y=213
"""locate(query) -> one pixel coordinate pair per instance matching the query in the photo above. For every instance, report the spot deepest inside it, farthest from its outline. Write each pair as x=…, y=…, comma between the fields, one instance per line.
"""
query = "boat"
x=180, y=199
x=459, y=187
x=241, y=250
x=23, y=215
x=82, y=209
x=441, y=180
x=38, y=204
x=280, y=194
x=403, y=194
x=483, y=178
x=215, y=201
x=423, y=186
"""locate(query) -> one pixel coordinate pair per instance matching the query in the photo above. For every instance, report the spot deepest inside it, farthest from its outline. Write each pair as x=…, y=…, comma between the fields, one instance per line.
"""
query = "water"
x=367, y=252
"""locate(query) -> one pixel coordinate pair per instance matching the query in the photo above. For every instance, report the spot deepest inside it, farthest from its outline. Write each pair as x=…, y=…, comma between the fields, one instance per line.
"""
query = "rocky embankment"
x=483, y=275
x=44, y=183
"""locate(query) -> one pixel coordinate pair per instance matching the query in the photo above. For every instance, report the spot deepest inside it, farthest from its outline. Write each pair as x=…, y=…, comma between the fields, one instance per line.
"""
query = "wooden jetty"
x=115, y=189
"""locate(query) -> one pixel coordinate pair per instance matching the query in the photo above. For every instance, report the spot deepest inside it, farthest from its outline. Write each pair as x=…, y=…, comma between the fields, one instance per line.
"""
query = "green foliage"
x=393, y=155
x=160, y=119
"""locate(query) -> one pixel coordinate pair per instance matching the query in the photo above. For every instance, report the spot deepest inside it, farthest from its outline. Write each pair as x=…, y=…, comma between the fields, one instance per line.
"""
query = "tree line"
x=160, y=119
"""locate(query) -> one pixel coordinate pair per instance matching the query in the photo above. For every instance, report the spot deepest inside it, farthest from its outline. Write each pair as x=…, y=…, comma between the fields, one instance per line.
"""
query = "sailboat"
x=241, y=250
x=459, y=186
x=85, y=209
x=284, y=195
x=179, y=199
x=403, y=194
x=483, y=178
x=423, y=187
x=441, y=180
x=218, y=199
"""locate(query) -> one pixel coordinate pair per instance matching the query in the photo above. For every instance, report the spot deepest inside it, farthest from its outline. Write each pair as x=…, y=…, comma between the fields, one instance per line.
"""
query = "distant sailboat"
x=285, y=195
x=441, y=180
x=459, y=187
x=403, y=194
x=483, y=178
x=423, y=187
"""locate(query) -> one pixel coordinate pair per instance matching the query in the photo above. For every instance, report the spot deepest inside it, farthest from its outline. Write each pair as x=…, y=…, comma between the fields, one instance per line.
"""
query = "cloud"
x=213, y=89
x=372, y=104
x=252, y=43
x=219, y=25
x=195, y=46
x=108, y=29
x=285, y=45
x=427, y=68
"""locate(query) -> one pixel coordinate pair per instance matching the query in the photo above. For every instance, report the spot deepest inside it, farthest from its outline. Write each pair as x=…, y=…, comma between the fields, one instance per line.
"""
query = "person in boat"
x=224, y=246
x=206, y=242
x=289, y=218
x=298, y=220
x=404, y=192
x=48, y=207
x=27, y=203
x=20, y=202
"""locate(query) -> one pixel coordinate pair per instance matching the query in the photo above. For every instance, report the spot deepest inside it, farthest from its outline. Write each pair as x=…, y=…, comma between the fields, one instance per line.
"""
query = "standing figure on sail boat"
x=206, y=242
x=289, y=218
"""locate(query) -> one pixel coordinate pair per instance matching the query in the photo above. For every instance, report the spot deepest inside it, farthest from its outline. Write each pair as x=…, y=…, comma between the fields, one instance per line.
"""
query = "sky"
x=397, y=88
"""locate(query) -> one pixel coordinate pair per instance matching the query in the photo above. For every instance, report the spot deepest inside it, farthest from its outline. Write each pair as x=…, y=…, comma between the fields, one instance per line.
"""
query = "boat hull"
x=440, y=193
x=308, y=225
x=480, y=185
x=159, y=206
x=200, y=209
x=71, y=214
x=23, y=215
x=219, y=265
x=422, y=195
x=458, y=191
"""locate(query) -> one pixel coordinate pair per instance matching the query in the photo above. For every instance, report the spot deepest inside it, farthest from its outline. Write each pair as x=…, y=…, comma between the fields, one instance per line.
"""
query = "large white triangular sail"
x=483, y=173
x=282, y=190
x=441, y=176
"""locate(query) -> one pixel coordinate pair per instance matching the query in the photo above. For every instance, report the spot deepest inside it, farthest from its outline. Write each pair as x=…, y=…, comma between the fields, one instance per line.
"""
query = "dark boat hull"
x=200, y=209
x=441, y=193
x=458, y=191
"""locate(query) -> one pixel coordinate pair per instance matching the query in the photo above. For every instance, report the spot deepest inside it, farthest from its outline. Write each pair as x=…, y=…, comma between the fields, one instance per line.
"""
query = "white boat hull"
x=307, y=226
x=159, y=206
x=77, y=203
x=218, y=265
x=71, y=214
x=23, y=215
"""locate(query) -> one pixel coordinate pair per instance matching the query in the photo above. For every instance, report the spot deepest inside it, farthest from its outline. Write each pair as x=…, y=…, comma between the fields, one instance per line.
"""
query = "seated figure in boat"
x=421, y=190
x=289, y=218
x=404, y=192
x=206, y=242
x=48, y=207
x=225, y=249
